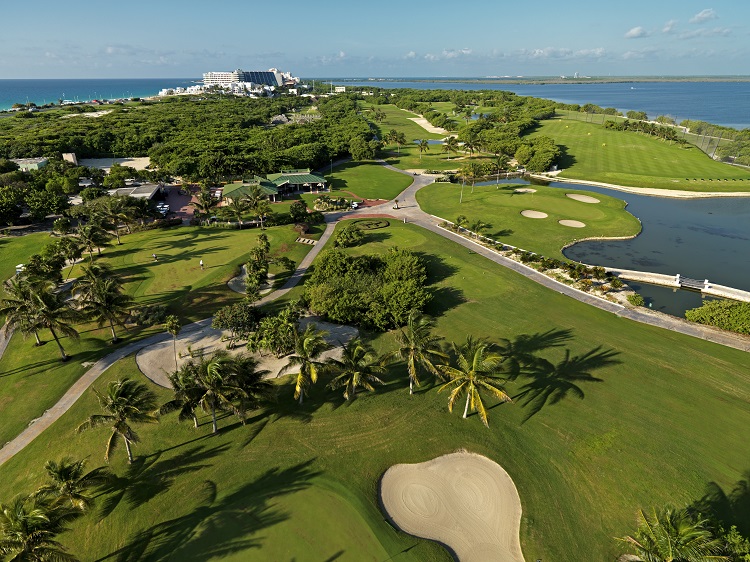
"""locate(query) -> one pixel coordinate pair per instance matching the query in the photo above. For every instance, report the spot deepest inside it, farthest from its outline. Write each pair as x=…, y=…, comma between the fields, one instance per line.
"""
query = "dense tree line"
x=659, y=131
x=725, y=314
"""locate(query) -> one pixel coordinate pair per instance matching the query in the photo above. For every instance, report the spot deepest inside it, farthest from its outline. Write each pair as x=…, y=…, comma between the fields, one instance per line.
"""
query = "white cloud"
x=713, y=32
x=669, y=26
x=636, y=33
x=554, y=53
x=640, y=54
x=703, y=16
x=410, y=55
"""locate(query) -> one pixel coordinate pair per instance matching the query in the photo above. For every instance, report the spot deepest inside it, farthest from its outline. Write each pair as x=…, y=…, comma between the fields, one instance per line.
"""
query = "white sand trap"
x=524, y=190
x=582, y=198
x=465, y=501
x=572, y=224
x=534, y=214
x=425, y=124
x=157, y=361
x=139, y=163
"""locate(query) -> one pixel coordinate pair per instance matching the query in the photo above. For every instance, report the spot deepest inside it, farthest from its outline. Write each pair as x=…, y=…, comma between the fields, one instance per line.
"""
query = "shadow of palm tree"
x=520, y=352
x=552, y=383
x=732, y=509
x=218, y=526
x=148, y=477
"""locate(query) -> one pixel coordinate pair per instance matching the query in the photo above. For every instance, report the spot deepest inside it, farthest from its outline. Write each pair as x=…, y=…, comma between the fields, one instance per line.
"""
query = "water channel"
x=698, y=238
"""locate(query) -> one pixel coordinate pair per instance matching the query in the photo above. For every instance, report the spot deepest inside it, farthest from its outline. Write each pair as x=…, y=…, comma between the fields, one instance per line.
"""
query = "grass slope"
x=628, y=158
x=367, y=181
x=660, y=426
x=32, y=378
x=501, y=209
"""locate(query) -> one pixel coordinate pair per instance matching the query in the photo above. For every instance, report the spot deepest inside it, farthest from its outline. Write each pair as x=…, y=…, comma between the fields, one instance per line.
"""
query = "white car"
x=355, y=205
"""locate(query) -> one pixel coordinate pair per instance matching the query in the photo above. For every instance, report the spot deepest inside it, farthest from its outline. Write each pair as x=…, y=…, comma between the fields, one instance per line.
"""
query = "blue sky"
x=337, y=38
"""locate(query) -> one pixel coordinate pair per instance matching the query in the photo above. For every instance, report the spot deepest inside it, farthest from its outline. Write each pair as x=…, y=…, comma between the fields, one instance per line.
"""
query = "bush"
x=148, y=315
x=160, y=223
x=725, y=314
x=636, y=300
x=349, y=236
x=616, y=283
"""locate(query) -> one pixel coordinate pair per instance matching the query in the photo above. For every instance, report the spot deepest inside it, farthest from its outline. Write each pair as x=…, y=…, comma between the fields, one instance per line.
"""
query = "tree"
x=92, y=237
x=28, y=527
x=236, y=208
x=187, y=395
x=350, y=236
x=671, y=535
x=204, y=201
x=357, y=368
x=103, y=301
x=423, y=146
x=19, y=309
x=308, y=347
x=69, y=483
x=262, y=211
x=477, y=227
x=240, y=318
x=55, y=312
x=450, y=145
x=477, y=368
x=124, y=402
x=298, y=211
x=172, y=325
x=418, y=347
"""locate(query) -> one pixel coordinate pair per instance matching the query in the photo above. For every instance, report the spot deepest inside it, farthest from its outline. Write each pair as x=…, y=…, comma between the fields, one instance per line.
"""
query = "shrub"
x=148, y=315
x=349, y=236
x=725, y=314
x=636, y=300
x=616, y=283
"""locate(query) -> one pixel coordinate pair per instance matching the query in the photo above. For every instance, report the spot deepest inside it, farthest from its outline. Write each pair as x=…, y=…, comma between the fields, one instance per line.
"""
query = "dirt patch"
x=529, y=214
x=462, y=500
x=582, y=198
x=572, y=223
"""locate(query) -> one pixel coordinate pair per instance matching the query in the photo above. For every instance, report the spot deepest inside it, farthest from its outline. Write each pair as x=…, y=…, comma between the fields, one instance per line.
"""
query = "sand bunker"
x=427, y=126
x=462, y=500
x=572, y=224
x=583, y=198
x=534, y=214
x=139, y=163
x=524, y=190
x=157, y=361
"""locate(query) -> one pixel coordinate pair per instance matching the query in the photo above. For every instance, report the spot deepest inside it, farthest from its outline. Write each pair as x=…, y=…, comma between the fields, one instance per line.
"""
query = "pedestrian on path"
x=201, y=262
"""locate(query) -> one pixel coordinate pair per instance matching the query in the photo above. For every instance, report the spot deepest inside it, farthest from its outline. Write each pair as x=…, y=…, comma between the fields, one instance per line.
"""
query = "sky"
x=350, y=38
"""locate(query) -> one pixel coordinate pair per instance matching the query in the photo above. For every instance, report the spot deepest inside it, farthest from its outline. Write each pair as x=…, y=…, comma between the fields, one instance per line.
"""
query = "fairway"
x=594, y=153
x=501, y=207
x=33, y=378
x=582, y=466
x=367, y=181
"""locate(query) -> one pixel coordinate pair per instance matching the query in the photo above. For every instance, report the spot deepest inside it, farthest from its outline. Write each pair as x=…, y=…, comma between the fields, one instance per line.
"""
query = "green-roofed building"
x=291, y=181
x=240, y=189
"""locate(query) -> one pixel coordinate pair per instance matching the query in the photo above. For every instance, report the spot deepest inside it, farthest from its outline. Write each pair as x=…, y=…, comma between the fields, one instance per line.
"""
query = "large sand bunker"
x=524, y=190
x=534, y=214
x=572, y=224
x=465, y=501
x=582, y=198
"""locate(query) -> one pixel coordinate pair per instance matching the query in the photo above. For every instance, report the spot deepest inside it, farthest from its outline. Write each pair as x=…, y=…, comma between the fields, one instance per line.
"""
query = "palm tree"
x=187, y=395
x=450, y=145
x=19, y=309
x=92, y=237
x=477, y=227
x=357, y=368
x=399, y=139
x=308, y=347
x=54, y=312
x=69, y=483
x=236, y=208
x=102, y=300
x=172, y=325
x=418, y=347
x=262, y=209
x=423, y=146
x=477, y=368
x=501, y=162
x=205, y=201
x=28, y=527
x=671, y=535
x=124, y=401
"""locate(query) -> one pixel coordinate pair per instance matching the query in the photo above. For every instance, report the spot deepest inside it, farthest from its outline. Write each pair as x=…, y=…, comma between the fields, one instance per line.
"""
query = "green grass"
x=367, y=181
x=659, y=427
x=633, y=159
x=33, y=378
x=501, y=209
x=17, y=249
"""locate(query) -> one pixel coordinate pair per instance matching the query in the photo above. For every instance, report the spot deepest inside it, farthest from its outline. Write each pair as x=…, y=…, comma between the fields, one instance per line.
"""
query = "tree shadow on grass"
x=376, y=236
x=565, y=160
x=149, y=476
x=501, y=233
x=551, y=383
x=728, y=509
x=219, y=527
x=520, y=352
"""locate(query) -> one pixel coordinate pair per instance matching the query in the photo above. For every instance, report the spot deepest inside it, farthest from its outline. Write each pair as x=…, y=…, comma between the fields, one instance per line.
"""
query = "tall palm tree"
x=172, y=325
x=423, y=146
x=70, y=483
x=671, y=535
x=450, y=145
x=92, y=237
x=357, y=368
x=187, y=395
x=236, y=208
x=56, y=313
x=205, y=201
x=19, y=309
x=308, y=347
x=262, y=210
x=28, y=527
x=102, y=300
x=477, y=368
x=418, y=347
x=124, y=402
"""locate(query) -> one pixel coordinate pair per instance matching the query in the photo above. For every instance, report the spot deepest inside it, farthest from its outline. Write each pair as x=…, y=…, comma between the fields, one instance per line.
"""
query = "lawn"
x=594, y=153
x=501, y=209
x=659, y=426
x=33, y=378
x=367, y=181
x=17, y=249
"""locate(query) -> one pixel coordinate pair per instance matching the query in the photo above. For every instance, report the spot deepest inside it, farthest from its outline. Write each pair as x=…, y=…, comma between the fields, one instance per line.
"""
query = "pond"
x=698, y=238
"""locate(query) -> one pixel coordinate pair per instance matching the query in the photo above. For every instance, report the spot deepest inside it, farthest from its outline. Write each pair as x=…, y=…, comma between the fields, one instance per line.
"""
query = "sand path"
x=465, y=501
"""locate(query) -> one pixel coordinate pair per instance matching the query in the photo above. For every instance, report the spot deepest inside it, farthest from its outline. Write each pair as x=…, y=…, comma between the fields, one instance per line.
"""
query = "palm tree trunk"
x=36, y=335
x=411, y=385
x=174, y=347
x=466, y=408
x=213, y=419
x=57, y=341
x=195, y=420
x=127, y=448
x=117, y=233
x=301, y=396
x=115, y=339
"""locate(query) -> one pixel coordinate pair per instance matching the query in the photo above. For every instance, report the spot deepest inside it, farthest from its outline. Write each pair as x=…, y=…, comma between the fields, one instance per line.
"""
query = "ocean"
x=721, y=103
x=50, y=91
